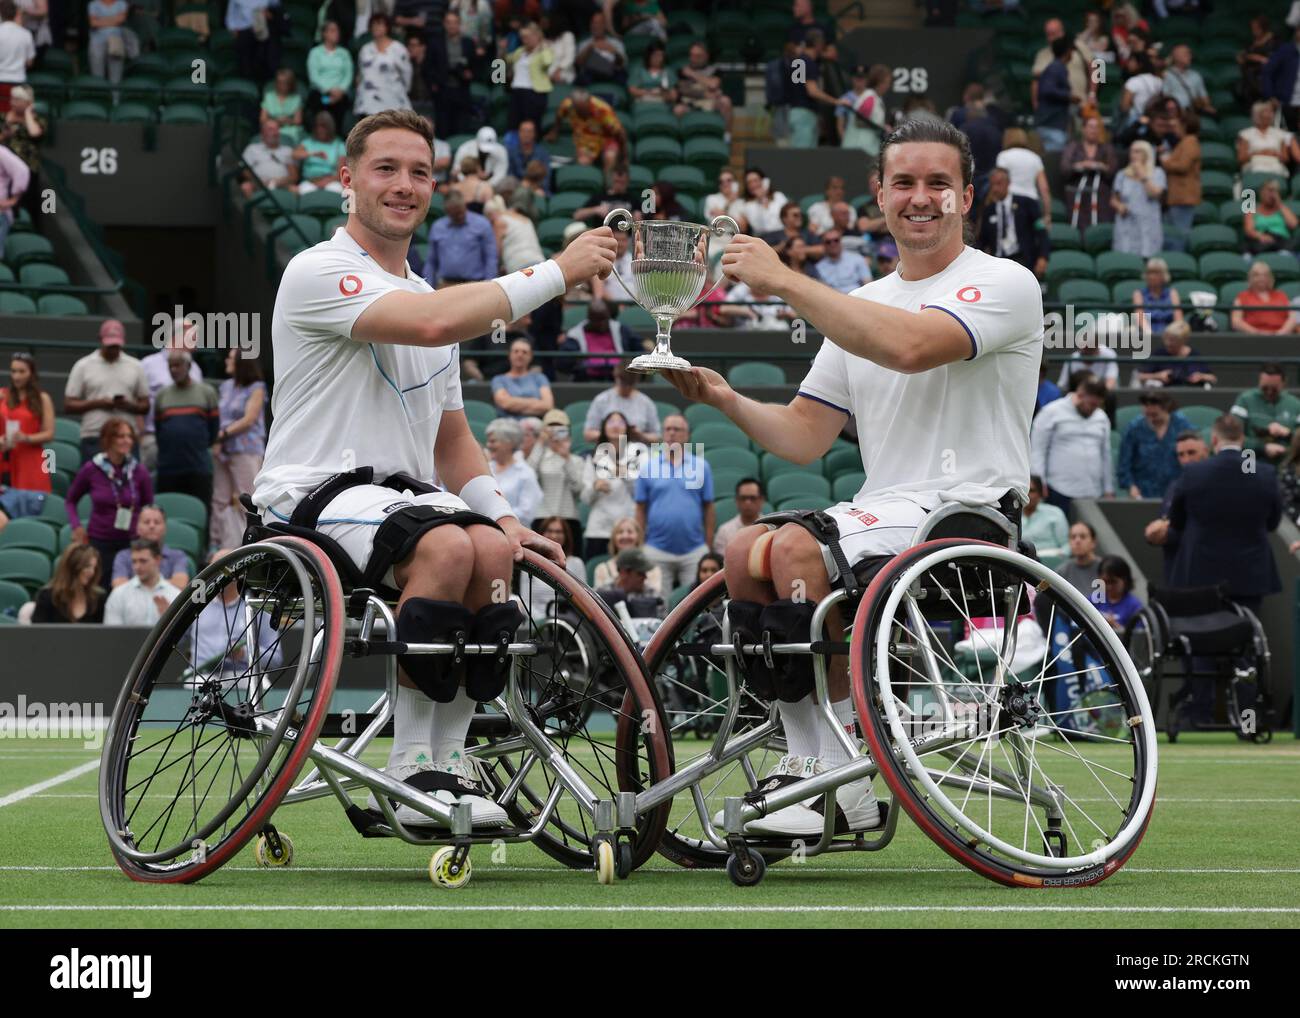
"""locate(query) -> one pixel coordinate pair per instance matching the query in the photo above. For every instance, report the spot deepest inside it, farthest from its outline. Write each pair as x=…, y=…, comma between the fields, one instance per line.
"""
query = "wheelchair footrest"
x=371, y=823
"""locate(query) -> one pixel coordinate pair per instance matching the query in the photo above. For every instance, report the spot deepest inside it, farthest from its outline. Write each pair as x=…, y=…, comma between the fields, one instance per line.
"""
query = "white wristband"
x=530, y=288
x=482, y=496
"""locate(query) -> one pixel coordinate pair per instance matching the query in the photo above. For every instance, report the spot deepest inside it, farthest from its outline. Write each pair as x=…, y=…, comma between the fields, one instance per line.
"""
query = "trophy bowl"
x=674, y=266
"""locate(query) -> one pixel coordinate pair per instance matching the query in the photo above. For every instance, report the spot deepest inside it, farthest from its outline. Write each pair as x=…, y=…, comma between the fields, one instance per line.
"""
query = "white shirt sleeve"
x=113, y=607
x=325, y=292
x=454, y=400
x=999, y=304
x=827, y=380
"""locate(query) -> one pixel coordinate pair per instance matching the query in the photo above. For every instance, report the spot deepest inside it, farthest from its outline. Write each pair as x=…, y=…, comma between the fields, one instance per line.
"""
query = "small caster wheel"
x=748, y=870
x=1263, y=737
x=604, y=862
x=623, y=860
x=445, y=871
x=267, y=857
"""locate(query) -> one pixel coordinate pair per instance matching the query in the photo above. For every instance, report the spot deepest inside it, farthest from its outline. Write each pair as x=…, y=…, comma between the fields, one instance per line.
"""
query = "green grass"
x=1220, y=851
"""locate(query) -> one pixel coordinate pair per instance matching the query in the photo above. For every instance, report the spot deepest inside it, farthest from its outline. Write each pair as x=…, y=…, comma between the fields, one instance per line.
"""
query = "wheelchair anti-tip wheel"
x=1012, y=785
x=200, y=751
x=449, y=871
x=273, y=850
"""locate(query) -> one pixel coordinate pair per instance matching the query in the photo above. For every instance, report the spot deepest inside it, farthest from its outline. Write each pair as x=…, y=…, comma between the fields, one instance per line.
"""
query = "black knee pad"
x=423, y=620
x=486, y=674
x=746, y=620
x=790, y=622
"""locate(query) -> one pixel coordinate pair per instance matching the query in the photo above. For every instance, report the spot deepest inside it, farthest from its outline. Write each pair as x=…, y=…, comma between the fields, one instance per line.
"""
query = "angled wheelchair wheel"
x=220, y=710
x=693, y=687
x=589, y=691
x=1025, y=747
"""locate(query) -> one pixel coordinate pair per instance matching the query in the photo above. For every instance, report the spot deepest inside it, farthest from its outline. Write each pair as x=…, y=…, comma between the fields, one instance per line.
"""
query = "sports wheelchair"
x=201, y=753
x=1205, y=636
x=969, y=743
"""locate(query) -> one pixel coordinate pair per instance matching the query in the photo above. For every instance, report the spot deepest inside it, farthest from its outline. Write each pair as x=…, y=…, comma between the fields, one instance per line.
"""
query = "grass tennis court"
x=1220, y=852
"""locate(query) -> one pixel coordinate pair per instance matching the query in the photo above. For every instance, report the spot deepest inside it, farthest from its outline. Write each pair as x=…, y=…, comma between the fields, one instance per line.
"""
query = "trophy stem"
x=663, y=326
x=663, y=358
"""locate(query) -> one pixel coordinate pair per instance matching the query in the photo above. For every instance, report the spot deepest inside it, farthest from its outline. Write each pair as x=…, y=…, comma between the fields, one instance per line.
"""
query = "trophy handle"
x=719, y=226
x=620, y=219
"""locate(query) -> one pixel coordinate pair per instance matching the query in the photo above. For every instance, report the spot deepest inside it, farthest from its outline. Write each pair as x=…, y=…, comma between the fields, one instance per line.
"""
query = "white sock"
x=451, y=725
x=801, y=732
x=833, y=752
x=412, y=718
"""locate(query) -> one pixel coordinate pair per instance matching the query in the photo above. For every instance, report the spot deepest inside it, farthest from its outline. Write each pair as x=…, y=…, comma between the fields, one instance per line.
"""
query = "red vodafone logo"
x=350, y=286
x=969, y=294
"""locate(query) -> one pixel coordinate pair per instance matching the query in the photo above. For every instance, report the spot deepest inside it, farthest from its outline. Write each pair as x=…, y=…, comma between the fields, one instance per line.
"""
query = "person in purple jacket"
x=119, y=487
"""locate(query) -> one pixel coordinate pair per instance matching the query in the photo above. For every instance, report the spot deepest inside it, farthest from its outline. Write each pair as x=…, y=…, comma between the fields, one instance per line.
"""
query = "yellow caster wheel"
x=604, y=862
x=266, y=856
x=445, y=872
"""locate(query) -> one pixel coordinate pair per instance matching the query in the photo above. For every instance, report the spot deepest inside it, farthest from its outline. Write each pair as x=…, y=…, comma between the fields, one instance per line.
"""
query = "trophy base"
x=649, y=363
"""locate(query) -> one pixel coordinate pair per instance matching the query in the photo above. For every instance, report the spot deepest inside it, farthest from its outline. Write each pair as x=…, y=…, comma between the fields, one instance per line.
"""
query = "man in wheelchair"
x=938, y=364
x=367, y=412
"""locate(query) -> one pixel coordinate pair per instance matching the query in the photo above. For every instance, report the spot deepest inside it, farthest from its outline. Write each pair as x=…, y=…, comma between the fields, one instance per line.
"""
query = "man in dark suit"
x=1191, y=448
x=1011, y=226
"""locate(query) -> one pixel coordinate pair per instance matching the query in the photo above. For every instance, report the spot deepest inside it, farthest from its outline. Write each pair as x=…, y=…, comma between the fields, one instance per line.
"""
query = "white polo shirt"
x=958, y=432
x=339, y=403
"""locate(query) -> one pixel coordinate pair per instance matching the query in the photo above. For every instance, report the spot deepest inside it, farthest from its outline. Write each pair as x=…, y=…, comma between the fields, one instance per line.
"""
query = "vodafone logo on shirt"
x=969, y=294
x=350, y=285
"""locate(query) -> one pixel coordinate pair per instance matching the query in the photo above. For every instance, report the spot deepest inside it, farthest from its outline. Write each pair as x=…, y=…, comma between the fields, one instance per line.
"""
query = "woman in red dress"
x=26, y=424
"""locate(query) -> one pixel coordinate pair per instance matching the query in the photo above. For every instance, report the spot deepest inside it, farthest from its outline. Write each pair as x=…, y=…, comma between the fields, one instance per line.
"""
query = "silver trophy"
x=672, y=271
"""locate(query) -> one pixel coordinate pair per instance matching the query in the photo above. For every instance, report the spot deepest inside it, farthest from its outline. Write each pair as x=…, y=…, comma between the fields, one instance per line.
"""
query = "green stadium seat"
x=772, y=465
x=550, y=232
x=1098, y=238
x=703, y=124
x=1217, y=156
x=7, y=274
x=67, y=430
x=1181, y=264
x=140, y=88
x=721, y=435
x=1063, y=265
x=132, y=113
x=801, y=484
x=587, y=179
x=12, y=597
x=839, y=460
x=612, y=93
x=29, y=533
x=60, y=304
x=1114, y=265
x=1256, y=181
x=22, y=248
x=565, y=203
x=650, y=121
x=30, y=569
x=306, y=229
x=658, y=153
x=40, y=274
x=1285, y=269
x=639, y=178
x=1187, y=287
x=1083, y=291
x=577, y=412
x=1206, y=212
x=1228, y=291
x=184, y=113
x=638, y=319
x=1126, y=415
x=180, y=506
x=592, y=564
x=1223, y=267
x=478, y=410
x=846, y=486
x=53, y=513
x=707, y=154
x=84, y=109
x=742, y=460
x=1064, y=237
x=322, y=204
x=756, y=373
x=701, y=413
x=1059, y=213
x=88, y=86
x=49, y=86
x=724, y=506
x=804, y=502
x=1230, y=213
x=688, y=180
x=1201, y=416
x=186, y=537
x=1216, y=185
x=16, y=303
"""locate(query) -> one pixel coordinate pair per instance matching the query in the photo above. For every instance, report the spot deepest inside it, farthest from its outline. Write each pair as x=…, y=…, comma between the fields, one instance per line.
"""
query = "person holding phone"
x=559, y=471
x=104, y=385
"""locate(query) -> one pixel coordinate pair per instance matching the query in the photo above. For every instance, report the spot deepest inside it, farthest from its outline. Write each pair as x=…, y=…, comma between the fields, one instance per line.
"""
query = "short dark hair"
x=1062, y=46
x=1189, y=436
x=405, y=120
x=1077, y=378
x=1092, y=387
x=144, y=544
x=1154, y=397
x=928, y=129
x=1229, y=428
x=751, y=480
x=1113, y=565
x=1273, y=368
x=1092, y=531
x=1035, y=482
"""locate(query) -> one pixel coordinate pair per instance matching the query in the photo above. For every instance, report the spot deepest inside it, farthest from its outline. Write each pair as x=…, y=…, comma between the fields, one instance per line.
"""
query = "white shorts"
x=353, y=516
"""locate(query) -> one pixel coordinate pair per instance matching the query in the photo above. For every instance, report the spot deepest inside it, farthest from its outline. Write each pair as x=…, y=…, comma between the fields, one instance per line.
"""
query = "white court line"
x=40, y=786
x=700, y=909
x=791, y=868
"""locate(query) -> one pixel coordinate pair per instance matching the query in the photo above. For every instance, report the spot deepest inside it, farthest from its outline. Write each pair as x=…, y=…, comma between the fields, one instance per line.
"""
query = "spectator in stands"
x=257, y=42
x=1288, y=475
x=462, y=246
x=598, y=135
x=522, y=391
x=1044, y=526
x=1158, y=302
x=637, y=409
x=1088, y=166
x=1272, y=224
x=530, y=78
x=1028, y=176
x=1143, y=85
x=609, y=482
x=1116, y=601
x=322, y=155
x=792, y=228
x=14, y=180
x=1263, y=147
x=516, y=237
x=617, y=195
x=73, y=594
x=240, y=446
x=804, y=91
x=562, y=44
x=612, y=289
x=886, y=256
x=441, y=156
x=1227, y=487
x=329, y=72
x=1138, y=190
x=522, y=147
x=470, y=184
x=1191, y=448
x=750, y=496
x=558, y=470
x=709, y=565
x=187, y=418
x=22, y=130
x=158, y=373
x=1078, y=63
x=1253, y=58
x=1092, y=357
x=107, y=384
x=119, y=487
x=638, y=17
x=26, y=424
x=601, y=58
x=514, y=477
x=653, y=83
x=1180, y=365
x=631, y=568
x=626, y=534
x=449, y=67
x=844, y=222
x=141, y=600
x=1095, y=38
x=538, y=596
x=1070, y=446
x=111, y=45
x=1268, y=413
x=1125, y=20
x=839, y=269
x=1279, y=77
x=421, y=93
x=819, y=212
x=152, y=526
x=384, y=72
x=1155, y=125
x=1083, y=568
x=602, y=337
x=1185, y=84
x=1047, y=389
x=1261, y=292
x=674, y=498
x=985, y=134
x=282, y=105
x=725, y=201
x=270, y=160
x=760, y=205
x=1182, y=166
x=527, y=198
x=1148, y=461
x=1052, y=96
x=749, y=308
x=794, y=253
x=860, y=120
x=699, y=86
x=806, y=22
x=665, y=206
x=17, y=52
x=1011, y=226
x=491, y=155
